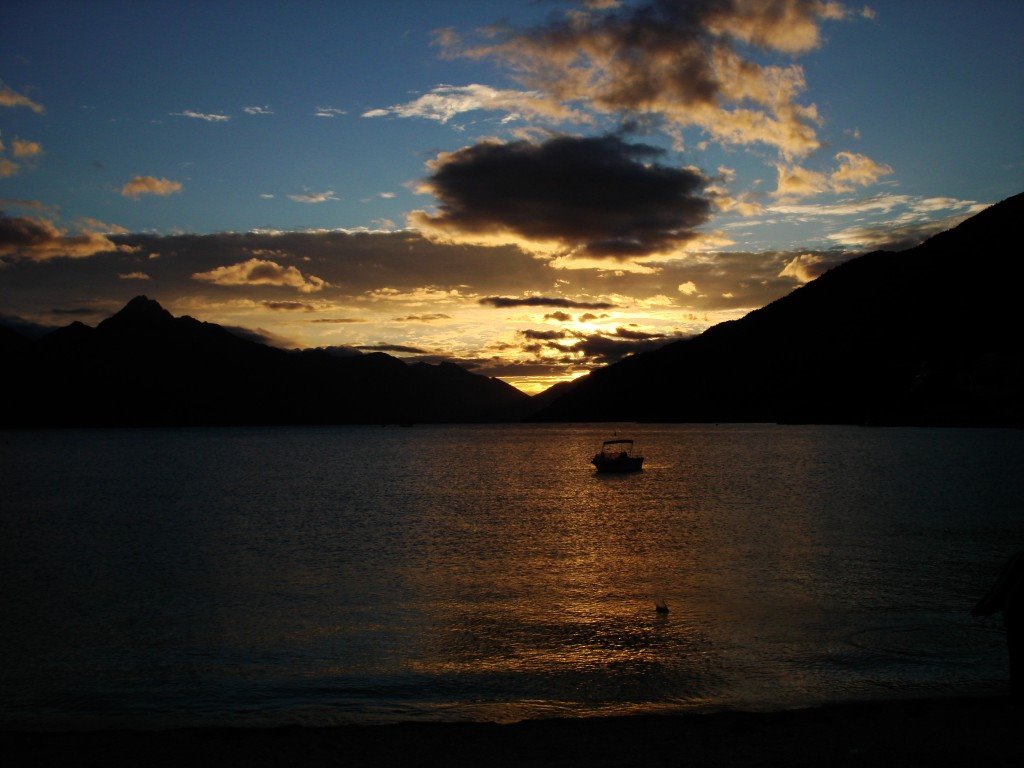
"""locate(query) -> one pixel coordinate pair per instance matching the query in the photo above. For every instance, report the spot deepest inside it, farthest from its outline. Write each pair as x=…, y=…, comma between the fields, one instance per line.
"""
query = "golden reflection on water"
x=488, y=572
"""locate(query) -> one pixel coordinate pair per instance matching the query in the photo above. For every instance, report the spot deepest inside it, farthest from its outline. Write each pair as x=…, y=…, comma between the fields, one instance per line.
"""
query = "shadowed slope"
x=930, y=335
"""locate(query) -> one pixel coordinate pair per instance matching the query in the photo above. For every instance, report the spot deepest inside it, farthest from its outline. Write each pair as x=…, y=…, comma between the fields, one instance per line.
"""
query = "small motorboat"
x=617, y=456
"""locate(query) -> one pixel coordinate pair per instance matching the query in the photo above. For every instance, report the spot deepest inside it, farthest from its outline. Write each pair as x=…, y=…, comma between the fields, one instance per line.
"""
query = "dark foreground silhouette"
x=927, y=336
x=1007, y=597
x=953, y=732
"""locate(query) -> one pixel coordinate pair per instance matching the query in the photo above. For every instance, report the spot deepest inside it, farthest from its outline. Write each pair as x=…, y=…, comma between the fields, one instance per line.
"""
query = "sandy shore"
x=939, y=732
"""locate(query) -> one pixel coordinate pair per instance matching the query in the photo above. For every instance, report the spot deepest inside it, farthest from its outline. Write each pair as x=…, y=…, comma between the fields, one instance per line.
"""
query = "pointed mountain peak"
x=140, y=310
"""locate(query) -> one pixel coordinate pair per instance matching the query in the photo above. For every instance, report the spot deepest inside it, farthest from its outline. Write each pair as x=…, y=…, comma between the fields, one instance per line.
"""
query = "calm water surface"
x=323, y=575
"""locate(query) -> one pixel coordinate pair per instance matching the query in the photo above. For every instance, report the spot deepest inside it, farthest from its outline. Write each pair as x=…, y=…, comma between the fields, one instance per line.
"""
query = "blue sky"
x=855, y=127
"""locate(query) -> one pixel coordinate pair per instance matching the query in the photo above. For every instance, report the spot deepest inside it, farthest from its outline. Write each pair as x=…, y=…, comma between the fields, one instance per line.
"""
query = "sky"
x=530, y=189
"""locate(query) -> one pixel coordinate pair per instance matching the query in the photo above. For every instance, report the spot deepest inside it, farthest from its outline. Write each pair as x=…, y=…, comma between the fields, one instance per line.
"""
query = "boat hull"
x=627, y=464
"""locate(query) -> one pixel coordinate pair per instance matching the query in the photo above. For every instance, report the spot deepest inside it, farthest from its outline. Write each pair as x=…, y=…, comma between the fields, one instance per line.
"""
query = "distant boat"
x=617, y=456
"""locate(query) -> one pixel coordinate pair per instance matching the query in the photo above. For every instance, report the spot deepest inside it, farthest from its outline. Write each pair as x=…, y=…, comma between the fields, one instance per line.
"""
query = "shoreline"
x=934, y=732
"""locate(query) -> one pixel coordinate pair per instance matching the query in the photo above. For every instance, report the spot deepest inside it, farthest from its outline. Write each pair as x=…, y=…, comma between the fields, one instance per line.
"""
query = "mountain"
x=142, y=366
x=927, y=336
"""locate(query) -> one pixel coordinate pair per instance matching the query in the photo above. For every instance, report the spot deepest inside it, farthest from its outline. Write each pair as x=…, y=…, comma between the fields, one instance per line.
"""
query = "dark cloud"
x=289, y=306
x=597, y=196
x=25, y=238
x=546, y=335
x=421, y=318
x=562, y=317
x=588, y=316
x=602, y=350
x=381, y=347
x=626, y=333
x=337, y=320
x=542, y=301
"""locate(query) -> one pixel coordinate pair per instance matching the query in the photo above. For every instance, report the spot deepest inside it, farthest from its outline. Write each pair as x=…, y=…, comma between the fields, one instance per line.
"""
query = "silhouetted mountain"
x=142, y=366
x=931, y=335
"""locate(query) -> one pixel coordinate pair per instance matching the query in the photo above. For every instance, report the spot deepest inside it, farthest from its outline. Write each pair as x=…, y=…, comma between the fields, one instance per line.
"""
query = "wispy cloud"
x=503, y=302
x=328, y=112
x=314, y=198
x=133, y=276
x=445, y=102
x=264, y=110
x=150, y=185
x=210, y=117
x=11, y=98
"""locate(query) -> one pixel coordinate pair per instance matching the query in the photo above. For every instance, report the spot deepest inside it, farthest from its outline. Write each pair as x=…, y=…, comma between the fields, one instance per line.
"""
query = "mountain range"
x=926, y=336
x=144, y=367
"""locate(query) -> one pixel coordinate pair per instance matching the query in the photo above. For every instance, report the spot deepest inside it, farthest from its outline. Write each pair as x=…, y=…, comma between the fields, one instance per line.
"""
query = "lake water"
x=320, y=575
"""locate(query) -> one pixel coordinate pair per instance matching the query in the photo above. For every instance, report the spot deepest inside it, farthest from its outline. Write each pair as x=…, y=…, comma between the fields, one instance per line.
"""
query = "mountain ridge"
x=922, y=336
x=144, y=367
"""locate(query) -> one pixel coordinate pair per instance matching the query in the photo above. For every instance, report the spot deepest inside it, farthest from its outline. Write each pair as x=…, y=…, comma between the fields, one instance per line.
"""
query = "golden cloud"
x=23, y=148
x=149, y=185
x=262, y=272
x=25, y=238
x=11, y=98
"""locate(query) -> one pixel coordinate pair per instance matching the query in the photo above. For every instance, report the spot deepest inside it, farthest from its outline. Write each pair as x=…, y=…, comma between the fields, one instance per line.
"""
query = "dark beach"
x=932, y=732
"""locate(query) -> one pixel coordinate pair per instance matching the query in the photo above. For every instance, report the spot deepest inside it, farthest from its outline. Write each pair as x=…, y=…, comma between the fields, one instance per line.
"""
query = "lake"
x=267, y=576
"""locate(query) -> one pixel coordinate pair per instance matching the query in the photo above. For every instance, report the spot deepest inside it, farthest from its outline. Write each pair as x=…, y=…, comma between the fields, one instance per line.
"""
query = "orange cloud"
x=687, y=62
x=11, y=98
x=22, y=237
x=262, y=272
x=149, y=185
x=23, y=148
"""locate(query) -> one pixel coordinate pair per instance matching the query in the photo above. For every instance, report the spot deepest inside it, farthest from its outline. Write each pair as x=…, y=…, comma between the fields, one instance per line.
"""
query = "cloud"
x=262, y=272
x=314, y=198
x=261, y=336
x=210, y=117
x=11, y=98
x=856, y=171
x=328, y=112
x=689, y=63
x=7, y=168
x=853, y=171
x=265, y=110
x=546, y=335
x=445, y=102
x=894, y=235
x=805, y=267
x=133, y=276
x=382, y=347
x=422, y=318
x=688, y=288
x=795, y=182
x=25, y=238
x=595, y=197
x=289, y=306
x=336, y=320
x=604, y=350
x=149, y=185
x=561, y=317
x=542, y=301
x=23, y=148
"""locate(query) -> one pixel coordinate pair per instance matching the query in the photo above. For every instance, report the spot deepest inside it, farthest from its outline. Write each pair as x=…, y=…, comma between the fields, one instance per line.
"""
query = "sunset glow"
x=524, y=189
